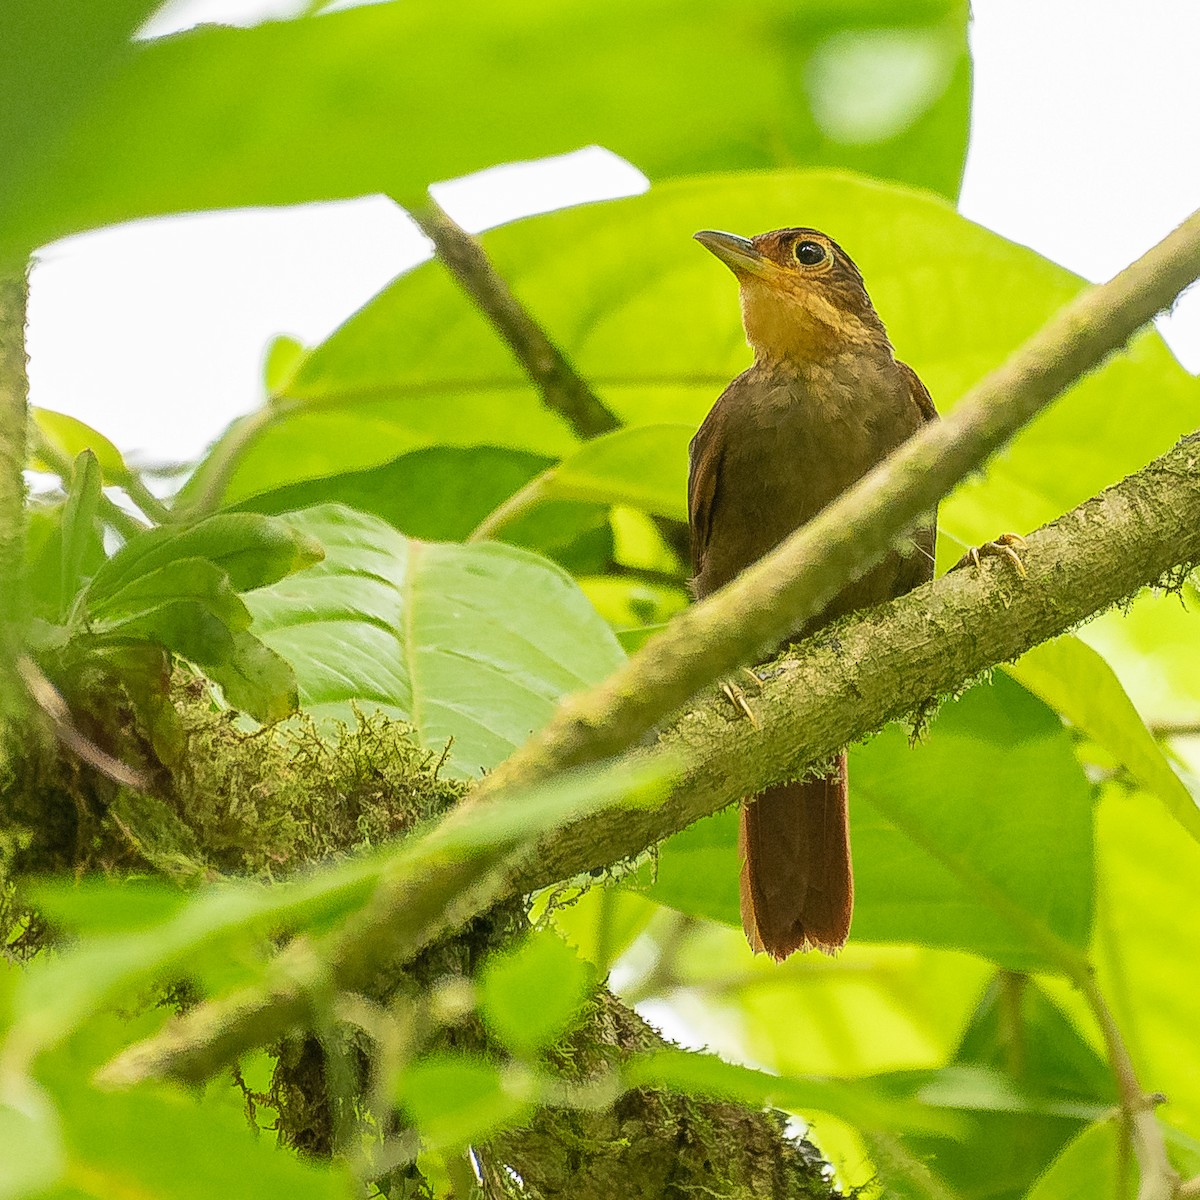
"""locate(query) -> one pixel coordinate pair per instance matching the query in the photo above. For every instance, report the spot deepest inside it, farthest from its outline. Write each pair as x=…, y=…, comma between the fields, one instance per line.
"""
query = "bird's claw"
x=737, y=697
x=1005, y=546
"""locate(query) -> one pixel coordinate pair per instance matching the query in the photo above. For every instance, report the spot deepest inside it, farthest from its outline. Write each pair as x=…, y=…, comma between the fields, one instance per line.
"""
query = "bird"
x=824, y=402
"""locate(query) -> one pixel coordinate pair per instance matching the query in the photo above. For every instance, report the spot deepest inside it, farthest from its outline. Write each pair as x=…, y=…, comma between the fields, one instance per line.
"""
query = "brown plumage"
x=825, y=401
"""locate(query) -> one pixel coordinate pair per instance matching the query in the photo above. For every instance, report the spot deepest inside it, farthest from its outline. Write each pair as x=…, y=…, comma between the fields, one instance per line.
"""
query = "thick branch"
x=562, y=388
x=838, y=686
x=765, y=603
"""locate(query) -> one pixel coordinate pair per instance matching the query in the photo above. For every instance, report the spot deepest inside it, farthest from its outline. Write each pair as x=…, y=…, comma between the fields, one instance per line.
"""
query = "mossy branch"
x=563, y=389
x=836, y=687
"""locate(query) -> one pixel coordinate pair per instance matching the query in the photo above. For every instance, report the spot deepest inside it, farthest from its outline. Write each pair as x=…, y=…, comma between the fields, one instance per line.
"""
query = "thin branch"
x=563, y=389
x=1159, y=1180
x=765, y=603
x=836, y=687
x=14, y=421
x=135, y=488
x=517, y=505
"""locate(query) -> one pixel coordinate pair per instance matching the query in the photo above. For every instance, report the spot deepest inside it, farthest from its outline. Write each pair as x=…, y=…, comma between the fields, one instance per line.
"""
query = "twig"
x=763, y=605
x=47, y=698
x=519, y=503
x=1158, y=1179
x=563, y=389
x=833, y=689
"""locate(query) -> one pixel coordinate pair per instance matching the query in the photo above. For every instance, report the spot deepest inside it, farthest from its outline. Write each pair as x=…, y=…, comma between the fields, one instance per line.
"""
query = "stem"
x=14, y=423
x=223, y=461
x=519, y=503
x=792, y=584
x=563, y=389
x=146, y=500
x=126, y=524
x=1159, y=1180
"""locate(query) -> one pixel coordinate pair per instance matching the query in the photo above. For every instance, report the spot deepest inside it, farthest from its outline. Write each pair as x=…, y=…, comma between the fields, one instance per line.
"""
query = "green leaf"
x=472, y=643
x=252, y=550
x=529, y=996
x=54, y=57
x=1029, y=1082
x=1018, y=1029
x=1074, y=680
x=195, y=581
x=454, y=1100
x=189, y=606
x=69, y=437
x=283, y=357
x=645, y=467
x=256, y=679
x=1090, y=1166
x=658, y=335
x=980, y=838
x=82, y=535
x=160, y=1141
x=339, y=105
x=101, y=905
x=1147, y=943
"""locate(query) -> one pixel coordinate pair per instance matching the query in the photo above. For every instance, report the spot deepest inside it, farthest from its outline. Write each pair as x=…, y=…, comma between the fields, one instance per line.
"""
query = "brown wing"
x=704, y=471
x=919, y=392
x=924, y=537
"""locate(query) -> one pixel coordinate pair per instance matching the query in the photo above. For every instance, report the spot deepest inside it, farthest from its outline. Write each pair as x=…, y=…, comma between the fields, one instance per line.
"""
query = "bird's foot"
x=737, y=697
x=1005, y=546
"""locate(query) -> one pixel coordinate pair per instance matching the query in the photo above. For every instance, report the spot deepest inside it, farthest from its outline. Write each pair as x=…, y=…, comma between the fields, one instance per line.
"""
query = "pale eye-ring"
x=809, y=253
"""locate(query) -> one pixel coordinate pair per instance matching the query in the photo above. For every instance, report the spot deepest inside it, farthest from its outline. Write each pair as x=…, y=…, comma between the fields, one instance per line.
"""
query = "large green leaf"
x=644, y=466
x=1147, y=944
x=473, y=645
x=389, y=98
x=652, y=321
x=54, y=57
x=980, y=838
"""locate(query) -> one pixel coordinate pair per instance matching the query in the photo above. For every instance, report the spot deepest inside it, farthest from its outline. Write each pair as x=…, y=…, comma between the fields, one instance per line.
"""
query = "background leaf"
x=371, y=100
x=1074, y=680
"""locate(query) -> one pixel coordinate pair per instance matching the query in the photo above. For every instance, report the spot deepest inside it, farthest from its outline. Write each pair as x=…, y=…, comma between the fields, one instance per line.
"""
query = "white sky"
x=1084, y=147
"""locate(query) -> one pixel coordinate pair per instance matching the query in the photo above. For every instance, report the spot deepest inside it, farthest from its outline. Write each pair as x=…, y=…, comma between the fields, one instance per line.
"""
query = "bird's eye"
x=809, y=253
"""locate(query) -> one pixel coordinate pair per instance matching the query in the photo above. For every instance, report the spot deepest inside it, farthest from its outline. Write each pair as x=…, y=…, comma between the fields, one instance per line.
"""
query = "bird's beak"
x=737, y=253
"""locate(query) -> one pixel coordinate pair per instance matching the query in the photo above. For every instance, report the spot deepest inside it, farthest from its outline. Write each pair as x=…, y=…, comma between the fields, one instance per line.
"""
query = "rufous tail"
x=797, y=885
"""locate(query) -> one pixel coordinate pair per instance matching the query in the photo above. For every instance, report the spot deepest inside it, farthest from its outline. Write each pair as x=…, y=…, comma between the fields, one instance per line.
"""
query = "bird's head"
x=803, y=299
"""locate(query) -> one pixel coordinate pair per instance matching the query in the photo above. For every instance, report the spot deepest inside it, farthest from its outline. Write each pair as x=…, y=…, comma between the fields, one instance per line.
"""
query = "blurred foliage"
x=407, y=544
